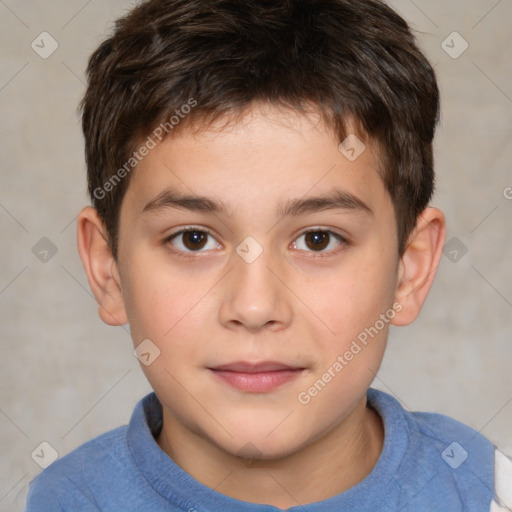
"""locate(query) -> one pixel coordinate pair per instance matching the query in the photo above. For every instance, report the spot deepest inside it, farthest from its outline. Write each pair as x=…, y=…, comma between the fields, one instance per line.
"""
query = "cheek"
x=159, y=299
x=359, y=309
x=356, y=292
x=351, y=303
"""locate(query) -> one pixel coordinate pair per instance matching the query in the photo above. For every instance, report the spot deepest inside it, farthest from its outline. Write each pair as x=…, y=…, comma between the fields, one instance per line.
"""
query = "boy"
x=260, y=175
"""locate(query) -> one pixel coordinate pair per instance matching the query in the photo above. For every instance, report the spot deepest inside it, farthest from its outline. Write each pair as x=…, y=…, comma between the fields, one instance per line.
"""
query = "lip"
x=256, y=377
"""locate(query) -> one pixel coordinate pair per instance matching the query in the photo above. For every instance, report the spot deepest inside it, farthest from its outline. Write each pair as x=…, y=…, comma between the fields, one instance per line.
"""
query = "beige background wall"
x=66, y=377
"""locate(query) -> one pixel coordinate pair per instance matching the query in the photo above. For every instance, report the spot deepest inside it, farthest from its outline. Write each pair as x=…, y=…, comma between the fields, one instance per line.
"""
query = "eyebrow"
x=336, y=199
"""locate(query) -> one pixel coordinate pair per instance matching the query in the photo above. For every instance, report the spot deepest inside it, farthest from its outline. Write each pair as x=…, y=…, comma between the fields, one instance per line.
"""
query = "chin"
x=263, y=443
x=257, y=450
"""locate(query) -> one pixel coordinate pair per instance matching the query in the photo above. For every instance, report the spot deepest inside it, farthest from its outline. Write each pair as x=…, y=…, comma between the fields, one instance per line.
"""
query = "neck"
x=328, y=466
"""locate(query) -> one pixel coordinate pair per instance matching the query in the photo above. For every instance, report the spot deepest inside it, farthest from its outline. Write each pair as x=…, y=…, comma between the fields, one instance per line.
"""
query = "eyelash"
x=314, y=254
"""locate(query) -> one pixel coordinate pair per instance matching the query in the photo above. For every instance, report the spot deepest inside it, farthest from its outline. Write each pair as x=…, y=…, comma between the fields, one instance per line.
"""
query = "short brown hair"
x=351, y=59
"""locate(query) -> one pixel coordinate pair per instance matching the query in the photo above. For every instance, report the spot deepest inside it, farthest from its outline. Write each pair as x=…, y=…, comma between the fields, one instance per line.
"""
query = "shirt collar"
x=178, y=487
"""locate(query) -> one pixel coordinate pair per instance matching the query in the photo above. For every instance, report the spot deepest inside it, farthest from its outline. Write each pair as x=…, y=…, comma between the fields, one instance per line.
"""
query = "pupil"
x=194, y=239
x=319, y=239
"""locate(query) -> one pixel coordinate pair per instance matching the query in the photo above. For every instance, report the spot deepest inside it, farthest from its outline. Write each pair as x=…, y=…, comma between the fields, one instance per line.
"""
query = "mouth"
x=256, y=378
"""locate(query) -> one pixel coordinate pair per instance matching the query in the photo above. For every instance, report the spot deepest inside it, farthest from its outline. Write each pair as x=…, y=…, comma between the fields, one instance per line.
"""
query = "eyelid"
x=183, y=229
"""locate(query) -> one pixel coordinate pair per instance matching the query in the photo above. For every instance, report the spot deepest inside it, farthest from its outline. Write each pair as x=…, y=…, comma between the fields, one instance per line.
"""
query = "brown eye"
x=193, y=240
x=318, y=241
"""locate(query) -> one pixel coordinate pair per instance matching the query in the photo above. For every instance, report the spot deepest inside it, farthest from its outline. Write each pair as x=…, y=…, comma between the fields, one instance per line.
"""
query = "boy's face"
x=257, y=289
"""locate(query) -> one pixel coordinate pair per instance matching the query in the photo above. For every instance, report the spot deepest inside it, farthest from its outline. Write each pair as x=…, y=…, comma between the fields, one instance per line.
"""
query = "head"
x=235, y=122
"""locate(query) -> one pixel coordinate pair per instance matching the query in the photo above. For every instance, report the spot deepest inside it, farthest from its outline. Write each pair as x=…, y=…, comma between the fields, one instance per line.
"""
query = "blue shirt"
x=428, y=462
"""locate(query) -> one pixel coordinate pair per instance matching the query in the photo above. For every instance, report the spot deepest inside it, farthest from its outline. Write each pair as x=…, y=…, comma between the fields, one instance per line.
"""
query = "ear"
x=419, y=263
x=100, y=267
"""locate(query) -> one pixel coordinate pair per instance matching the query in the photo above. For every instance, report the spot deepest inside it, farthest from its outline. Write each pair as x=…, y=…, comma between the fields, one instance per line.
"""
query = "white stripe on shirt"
x=502, y=483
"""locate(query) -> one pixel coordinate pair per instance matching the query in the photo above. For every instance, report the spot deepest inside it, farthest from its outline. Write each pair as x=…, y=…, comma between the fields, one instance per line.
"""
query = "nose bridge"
x=255, y=296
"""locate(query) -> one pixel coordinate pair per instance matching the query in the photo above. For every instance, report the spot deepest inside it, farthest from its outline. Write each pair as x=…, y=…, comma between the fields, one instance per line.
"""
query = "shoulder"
x=456, y=445
x=462, y=455
x=104, y=452
x=444, y=460
x=432, y=429
x=67, y=482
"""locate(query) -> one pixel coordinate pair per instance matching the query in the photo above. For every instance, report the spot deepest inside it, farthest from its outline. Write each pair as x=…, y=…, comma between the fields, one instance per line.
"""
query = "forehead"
x=259, y=161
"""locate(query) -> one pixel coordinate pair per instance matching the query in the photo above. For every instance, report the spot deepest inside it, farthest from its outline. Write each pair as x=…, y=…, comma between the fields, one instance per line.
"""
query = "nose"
x=256, y=296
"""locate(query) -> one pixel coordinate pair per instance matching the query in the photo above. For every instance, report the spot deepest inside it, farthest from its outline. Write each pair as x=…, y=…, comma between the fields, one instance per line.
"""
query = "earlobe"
x=419, y=263
x=100, y=267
